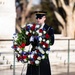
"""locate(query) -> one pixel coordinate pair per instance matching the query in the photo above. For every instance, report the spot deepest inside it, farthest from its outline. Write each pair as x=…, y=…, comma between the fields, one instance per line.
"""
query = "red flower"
x=24, y=57
x=47, y=36
x=19, y=58
x=29, y=34
x=33, y=27
x=37, y=50
x=22, y=45
x=15, y=46
x=35, y=56
x=46, y=45
x=42, y=43
x=40, y=30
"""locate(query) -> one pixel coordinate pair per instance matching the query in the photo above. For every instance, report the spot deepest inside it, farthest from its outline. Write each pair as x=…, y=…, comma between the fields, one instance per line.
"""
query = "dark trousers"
x=42, y=69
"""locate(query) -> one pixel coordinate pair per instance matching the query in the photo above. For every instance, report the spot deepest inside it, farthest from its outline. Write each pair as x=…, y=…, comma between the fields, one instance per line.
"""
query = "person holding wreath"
x=44, y=66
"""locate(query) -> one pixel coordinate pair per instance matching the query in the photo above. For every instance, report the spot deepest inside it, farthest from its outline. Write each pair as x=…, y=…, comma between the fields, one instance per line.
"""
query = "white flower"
x=28, y=62
x=37, y=31
x=47, y=41
x=37, y=62
x=29, y=25
x=15, y=38
x=28, y=48
x=31, y=38
x=25, y=49
x=30, y=31
x=33, y=32
x=27, y=32
x=29, y=56
x=15, y=42
x=47, y=52
x=18, y=49
x=43, y=46
x=43, y=57
x=40, y=34
x=44, y=32
x=44, y=40
x=25, y=60
x=41, y=50
x=39, y=58
x=40, y=39
x=37, y=26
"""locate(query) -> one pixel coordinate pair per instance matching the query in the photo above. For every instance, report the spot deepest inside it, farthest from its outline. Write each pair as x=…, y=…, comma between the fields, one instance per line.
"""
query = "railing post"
x=13, y=59
x=68, y=57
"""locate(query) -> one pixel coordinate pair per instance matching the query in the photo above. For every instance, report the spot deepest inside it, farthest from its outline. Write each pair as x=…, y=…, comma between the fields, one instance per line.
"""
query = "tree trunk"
x=70, y=26
x=63, y=30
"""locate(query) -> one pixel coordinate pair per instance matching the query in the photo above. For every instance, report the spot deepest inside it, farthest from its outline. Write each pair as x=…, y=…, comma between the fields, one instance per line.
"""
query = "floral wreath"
x=24, y=49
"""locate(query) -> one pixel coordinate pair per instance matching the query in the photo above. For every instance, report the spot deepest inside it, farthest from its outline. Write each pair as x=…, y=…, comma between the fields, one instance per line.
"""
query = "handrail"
x=6, y=39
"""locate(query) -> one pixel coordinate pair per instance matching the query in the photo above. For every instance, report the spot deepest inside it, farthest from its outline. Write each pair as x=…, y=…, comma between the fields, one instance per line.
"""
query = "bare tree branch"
x=26, y=12
x=60, y=19
x=18, y=28
x=54, y=2
x=29, y=7
x=64, y=6
x=68, y=25
x=71, y=3
x=67, y=9
x=74, y=19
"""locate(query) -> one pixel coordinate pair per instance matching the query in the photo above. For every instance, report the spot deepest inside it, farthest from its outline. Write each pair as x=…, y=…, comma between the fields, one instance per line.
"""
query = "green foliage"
x=21, y=37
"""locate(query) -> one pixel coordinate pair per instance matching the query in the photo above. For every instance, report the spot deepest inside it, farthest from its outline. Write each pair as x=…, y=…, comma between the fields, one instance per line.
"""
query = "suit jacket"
x=44, y=66
x=50, y=31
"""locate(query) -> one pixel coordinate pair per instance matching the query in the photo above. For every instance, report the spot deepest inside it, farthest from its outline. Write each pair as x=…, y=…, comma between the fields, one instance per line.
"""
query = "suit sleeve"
x=51, y=33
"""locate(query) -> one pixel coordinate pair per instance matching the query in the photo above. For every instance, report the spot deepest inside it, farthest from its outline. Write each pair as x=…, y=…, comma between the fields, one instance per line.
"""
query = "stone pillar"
x=7, y=28
x=7, y=18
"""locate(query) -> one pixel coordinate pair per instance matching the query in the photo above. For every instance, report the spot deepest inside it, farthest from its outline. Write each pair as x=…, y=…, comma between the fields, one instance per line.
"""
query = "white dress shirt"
x=42, y=25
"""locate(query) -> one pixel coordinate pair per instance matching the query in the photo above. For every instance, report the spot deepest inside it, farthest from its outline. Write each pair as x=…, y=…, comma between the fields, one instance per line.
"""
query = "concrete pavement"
x=57, y=69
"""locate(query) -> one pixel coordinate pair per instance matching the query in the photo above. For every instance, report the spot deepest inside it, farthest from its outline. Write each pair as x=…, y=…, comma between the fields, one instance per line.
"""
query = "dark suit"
x=44, y=66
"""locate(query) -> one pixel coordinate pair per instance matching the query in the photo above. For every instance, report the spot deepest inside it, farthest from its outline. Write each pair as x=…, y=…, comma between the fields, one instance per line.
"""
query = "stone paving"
x=62, y=69
x=57, y=69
